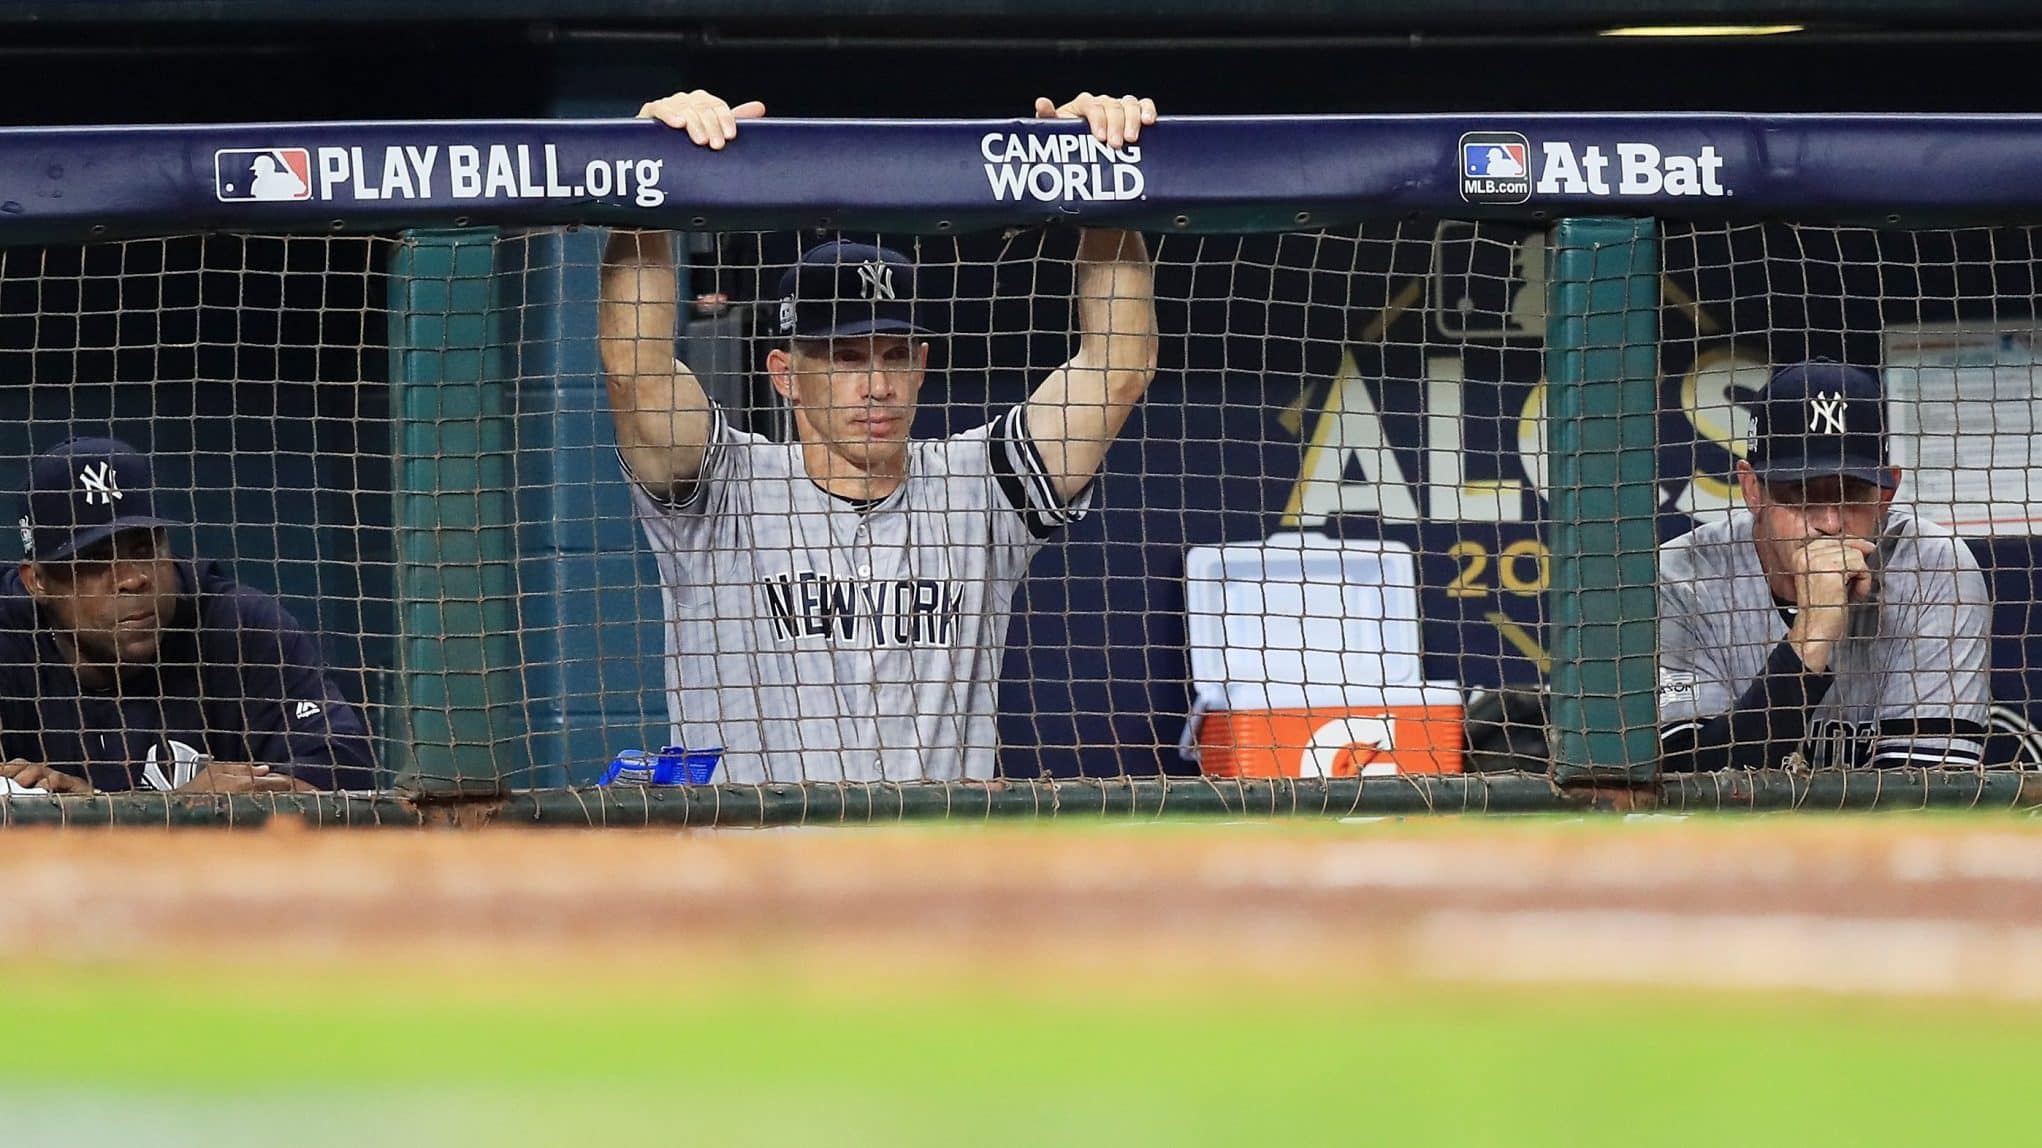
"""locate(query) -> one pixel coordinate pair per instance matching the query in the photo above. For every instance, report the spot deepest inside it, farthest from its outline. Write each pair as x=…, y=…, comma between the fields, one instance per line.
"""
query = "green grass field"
x=614, y=1055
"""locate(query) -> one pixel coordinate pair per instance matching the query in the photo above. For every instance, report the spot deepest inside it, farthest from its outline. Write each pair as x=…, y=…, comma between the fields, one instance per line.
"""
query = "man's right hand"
x=1829, y=574
x=34, y=775
x=707, y=119
x=234, y=777
x=1832, y=572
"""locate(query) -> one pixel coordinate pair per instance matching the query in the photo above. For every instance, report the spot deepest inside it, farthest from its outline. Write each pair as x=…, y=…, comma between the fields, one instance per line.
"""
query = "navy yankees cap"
x=1821, y=418
x=840, y=289
x=82, y=492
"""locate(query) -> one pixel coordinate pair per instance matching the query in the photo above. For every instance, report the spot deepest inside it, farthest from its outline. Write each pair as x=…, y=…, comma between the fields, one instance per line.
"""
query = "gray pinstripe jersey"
x=1922, y=656
x=816, y=642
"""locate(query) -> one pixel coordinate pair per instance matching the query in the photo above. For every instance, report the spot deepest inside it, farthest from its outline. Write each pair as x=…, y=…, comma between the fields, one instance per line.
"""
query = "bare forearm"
x=639, y=304
x=661, y=412
x=1814, y=640
x=1116, y=297
x=1077, y=412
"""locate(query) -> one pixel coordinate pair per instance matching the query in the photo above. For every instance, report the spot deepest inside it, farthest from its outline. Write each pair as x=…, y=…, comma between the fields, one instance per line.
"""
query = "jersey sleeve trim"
x=1024, y=479
x=1925, y=743
x=689, y=495
x=1915, y=755
x=1678, y=728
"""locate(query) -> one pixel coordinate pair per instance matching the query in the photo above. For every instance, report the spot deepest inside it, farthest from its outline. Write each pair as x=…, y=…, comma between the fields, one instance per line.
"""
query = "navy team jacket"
x=235, y=678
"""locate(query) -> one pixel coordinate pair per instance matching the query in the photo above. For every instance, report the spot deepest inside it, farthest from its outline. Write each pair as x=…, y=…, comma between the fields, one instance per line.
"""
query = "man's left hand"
x=234, y=777
x=1114, y=121
x=35, y=775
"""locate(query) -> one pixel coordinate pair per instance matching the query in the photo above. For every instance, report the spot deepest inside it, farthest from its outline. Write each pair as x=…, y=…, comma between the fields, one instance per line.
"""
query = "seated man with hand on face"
x=123, y=667
x=1822, y=625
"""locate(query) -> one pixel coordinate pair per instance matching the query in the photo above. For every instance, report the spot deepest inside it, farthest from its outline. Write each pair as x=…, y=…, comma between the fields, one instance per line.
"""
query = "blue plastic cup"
x=679, y=766
x=672, y=765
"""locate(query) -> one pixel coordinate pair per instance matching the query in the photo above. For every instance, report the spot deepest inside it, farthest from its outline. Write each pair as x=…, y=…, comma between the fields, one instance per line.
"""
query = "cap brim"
x=1876, y=475
x=98, y=534
x=865, y=327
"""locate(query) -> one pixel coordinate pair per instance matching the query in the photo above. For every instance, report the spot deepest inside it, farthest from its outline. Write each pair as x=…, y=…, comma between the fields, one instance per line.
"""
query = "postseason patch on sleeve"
x=1675, y=688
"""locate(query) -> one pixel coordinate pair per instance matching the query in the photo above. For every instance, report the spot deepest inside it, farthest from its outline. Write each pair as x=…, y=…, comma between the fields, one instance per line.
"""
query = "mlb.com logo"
x=266, y=174
x=1495, y=167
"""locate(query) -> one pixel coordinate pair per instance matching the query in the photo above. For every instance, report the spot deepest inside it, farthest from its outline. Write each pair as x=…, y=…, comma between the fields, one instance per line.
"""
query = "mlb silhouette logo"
x=1495, y=167
x=1500, y=159
x=262, y=175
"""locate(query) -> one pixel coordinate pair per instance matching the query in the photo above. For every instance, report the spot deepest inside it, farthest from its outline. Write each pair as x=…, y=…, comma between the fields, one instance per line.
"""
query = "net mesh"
x=1318, y=547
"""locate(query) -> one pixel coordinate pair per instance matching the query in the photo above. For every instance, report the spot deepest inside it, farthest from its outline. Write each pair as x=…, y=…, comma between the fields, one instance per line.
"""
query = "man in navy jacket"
x=124, y=667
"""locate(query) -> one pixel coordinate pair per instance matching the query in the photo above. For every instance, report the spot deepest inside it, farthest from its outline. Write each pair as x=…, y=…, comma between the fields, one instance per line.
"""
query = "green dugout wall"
x=526, y=614
x=456, y=716
x=1602, y=410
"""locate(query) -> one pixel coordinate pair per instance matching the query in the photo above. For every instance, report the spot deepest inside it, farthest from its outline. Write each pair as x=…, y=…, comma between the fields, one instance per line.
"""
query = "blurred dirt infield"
x=1938, y=905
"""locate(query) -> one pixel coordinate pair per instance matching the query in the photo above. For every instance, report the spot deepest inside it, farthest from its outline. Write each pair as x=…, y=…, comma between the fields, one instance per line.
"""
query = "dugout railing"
x=468, y=211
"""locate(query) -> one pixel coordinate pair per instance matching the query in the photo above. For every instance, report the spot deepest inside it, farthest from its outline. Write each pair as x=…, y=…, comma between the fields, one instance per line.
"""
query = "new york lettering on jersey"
x=893, y=612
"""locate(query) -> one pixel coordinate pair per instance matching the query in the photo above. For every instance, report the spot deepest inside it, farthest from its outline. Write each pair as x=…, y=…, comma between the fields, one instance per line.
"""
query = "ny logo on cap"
x=27, y=536
x=1825, y=413
x=99, y=484
x=875, y=281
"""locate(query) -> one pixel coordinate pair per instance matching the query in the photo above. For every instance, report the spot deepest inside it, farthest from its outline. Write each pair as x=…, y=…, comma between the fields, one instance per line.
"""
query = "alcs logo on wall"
x=1059, y=168
x=1497, y=167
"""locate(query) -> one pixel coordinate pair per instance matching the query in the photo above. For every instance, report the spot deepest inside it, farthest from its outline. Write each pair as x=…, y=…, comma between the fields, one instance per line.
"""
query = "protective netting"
x=1319, y=545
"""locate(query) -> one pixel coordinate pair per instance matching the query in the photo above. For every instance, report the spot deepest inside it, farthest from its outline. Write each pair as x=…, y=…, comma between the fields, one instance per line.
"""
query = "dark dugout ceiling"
x=937, y=19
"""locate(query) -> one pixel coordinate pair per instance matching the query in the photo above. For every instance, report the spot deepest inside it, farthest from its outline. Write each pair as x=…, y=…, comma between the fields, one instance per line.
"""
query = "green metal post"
x=459, y=706
x=1602, y=403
